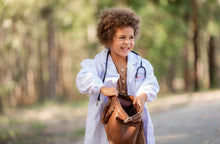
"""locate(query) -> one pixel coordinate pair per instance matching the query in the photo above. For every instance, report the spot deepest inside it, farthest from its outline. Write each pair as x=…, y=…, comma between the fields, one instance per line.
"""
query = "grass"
x=76, y=104
x=16, y=129
x=36, y=127
x=30, y=124
x=79, y=133
x=9, y=128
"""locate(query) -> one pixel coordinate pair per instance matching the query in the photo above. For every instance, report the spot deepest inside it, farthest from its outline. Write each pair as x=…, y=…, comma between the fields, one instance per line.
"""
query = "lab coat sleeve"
x=87, y=79
x=150, y=85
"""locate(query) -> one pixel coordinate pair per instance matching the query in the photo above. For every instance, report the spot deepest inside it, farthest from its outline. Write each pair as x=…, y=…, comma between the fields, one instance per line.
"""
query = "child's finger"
x=135, y=101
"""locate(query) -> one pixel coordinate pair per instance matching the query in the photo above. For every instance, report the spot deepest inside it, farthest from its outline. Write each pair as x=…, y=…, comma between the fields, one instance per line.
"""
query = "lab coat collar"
x=132, y=58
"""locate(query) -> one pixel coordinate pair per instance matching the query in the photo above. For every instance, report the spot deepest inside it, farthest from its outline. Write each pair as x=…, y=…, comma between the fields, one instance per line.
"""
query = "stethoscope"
x=136, y=74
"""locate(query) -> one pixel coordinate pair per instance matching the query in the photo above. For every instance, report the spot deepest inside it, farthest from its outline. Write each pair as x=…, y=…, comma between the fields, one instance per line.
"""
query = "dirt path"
x=178, y=119
x=187, y=118
x=195, y=123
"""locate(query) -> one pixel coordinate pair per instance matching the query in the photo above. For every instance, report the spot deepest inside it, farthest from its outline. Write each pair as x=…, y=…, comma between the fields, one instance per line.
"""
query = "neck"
x=118, y=59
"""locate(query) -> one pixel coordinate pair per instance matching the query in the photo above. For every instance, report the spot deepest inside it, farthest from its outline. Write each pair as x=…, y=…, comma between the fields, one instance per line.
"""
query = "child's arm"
x=109, y=91
x=87, y=80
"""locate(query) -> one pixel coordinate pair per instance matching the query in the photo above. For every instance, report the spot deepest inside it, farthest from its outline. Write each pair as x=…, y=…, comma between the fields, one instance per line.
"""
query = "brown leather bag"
x=122, y=121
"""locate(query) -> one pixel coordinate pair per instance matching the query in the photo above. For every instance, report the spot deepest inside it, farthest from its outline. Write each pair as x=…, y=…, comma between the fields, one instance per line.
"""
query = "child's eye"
x=131, y=37
x=122, y=37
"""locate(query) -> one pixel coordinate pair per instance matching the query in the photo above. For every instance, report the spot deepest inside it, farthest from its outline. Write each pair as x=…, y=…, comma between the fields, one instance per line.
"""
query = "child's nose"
x=127, y=41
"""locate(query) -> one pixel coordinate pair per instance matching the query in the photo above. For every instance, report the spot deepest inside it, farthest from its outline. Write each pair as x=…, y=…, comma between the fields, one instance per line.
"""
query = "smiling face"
x=122, y=43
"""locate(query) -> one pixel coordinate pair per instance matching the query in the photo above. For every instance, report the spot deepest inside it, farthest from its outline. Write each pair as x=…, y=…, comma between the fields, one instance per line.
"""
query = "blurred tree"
x=15, y=59
x=210, y=21
x=43, y=42
x=181, y=9
x=163, y=37
x=211, y=62
x=47, y=14
x=1, y=106
x=195, y=42
x=39, y=80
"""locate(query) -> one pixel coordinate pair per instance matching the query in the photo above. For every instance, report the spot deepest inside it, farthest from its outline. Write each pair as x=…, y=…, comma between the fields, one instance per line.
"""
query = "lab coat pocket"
x=138, y=83
x=139, y=78
x=111, y=81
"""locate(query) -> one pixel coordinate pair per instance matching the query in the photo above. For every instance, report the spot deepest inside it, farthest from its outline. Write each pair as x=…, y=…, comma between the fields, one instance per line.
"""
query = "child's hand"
x=109, y=91
x=140, y=100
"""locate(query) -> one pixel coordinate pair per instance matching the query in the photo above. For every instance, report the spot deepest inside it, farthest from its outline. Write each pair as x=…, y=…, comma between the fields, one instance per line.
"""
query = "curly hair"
x=114, y=18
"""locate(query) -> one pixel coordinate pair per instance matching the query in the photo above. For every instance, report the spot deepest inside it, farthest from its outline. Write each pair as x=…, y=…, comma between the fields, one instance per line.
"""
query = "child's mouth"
x=125, y=48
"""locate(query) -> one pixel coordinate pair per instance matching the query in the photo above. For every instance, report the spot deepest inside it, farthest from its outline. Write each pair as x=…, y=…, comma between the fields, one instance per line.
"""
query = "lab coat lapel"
x=131, y=70
x=111, y=74
x=111, y=69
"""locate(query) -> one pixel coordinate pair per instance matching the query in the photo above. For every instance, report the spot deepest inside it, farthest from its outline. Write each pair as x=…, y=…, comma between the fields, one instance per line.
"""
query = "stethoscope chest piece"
x=140, y=73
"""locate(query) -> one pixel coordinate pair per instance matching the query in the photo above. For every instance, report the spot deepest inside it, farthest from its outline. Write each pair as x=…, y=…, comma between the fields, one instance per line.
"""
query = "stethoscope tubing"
x=106, y=67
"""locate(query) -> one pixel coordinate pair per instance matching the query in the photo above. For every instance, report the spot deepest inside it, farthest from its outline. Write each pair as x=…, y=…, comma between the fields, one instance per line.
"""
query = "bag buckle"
x=126, y=120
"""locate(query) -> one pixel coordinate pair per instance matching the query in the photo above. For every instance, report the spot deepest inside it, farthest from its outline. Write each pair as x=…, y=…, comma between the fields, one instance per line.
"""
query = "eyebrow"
x=125, y=35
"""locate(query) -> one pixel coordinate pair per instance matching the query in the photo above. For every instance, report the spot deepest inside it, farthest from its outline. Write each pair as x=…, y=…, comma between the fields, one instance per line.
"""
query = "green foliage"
x=44, y=123
x=6, y=89
x=163, y=34
x=14, y=130
x=6, y=133
x=36, y=126
x=137, y=4
x=105, y=3
x=79, y=133
x=209, y=17
x=166, y=30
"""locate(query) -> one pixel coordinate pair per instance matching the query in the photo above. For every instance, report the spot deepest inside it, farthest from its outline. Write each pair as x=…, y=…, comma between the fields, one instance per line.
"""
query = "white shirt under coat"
x=89, y=81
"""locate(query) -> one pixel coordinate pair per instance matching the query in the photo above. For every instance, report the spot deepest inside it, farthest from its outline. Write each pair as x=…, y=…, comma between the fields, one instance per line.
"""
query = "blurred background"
x=42, y=43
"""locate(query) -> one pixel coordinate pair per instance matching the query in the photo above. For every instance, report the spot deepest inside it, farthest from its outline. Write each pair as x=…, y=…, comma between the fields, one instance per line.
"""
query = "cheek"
x=132, y=44
x=119, y=43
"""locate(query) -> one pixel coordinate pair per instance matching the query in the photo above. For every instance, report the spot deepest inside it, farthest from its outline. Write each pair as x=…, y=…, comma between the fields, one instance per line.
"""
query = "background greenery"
x=42, y=43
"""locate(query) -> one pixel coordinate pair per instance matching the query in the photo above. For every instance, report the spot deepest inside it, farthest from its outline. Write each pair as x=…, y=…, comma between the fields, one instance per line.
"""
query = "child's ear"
x=109, y=44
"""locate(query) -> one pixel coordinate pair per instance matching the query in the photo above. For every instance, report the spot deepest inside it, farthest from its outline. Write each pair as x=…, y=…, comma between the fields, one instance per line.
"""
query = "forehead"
x=125, y=31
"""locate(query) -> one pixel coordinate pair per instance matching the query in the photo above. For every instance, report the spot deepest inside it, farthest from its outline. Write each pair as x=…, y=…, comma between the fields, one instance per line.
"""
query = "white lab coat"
x=89, y=81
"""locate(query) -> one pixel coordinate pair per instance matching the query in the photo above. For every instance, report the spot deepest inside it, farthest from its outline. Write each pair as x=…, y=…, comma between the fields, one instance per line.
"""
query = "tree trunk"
x=195, y=43
x=1, y=106
x=186, y=69
x=52, y=59
x=171, y=75
x=39, y=80
x=212, y=67
x=60, y=74
x=2, y=40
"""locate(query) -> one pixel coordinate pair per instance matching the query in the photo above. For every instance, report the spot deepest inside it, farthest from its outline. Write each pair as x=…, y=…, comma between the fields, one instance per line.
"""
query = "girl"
x=125, y=72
